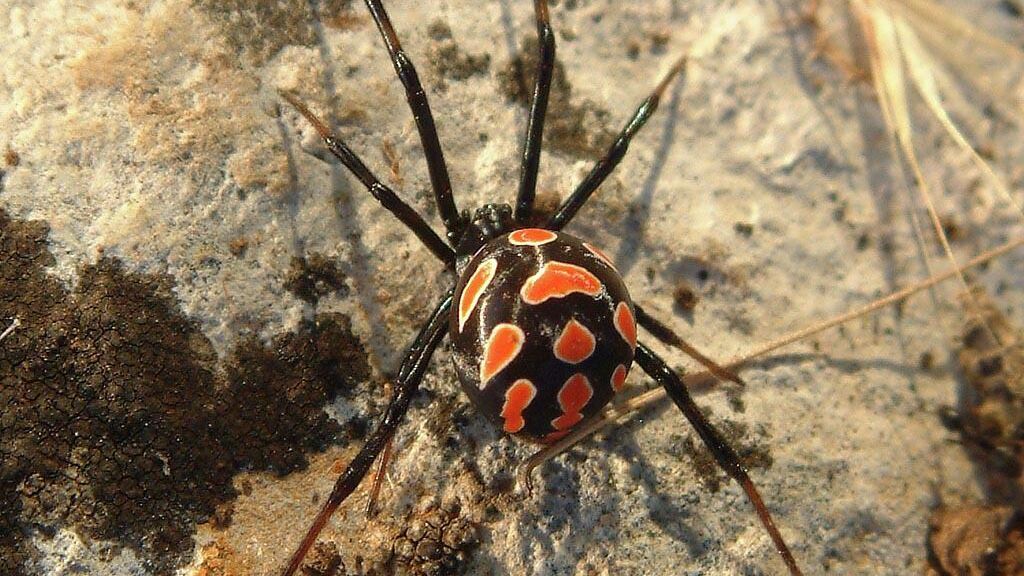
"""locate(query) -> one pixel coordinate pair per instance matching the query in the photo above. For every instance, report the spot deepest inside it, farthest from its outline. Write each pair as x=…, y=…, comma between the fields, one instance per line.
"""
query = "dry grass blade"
x=921, y=68
x=901, y=39
x=934, y=13
x=880, y=27
x=959, y=52
x=7, y=332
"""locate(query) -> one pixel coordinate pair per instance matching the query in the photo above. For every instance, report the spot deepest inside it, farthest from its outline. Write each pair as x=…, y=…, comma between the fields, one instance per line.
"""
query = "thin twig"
x=9, y=329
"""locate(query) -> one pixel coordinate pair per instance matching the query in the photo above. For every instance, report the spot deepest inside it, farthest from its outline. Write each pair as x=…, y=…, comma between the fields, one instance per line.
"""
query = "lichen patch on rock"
x=120, y=421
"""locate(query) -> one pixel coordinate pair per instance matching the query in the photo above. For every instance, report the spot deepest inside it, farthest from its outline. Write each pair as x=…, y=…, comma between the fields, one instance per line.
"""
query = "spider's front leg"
x=410, y=375
x=724, y=454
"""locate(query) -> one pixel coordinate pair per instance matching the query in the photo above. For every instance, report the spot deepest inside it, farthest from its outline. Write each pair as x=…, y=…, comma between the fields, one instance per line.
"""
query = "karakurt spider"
x=542, y=326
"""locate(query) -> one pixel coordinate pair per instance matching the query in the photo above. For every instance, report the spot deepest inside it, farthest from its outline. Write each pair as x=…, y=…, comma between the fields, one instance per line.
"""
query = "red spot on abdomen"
x=558, y=280
x=475, y=287
x=573, y=396
x=619, y=378
x=575, y=344
x=531, y=237
x=625, y=323
x=503, y=345
x=600, y=255
x=517, y=398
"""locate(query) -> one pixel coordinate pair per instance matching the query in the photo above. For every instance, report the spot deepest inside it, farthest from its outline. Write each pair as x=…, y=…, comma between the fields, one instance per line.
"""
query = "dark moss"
x=574, y=127
x=449, y=61
x=260, y=29
x=311, y=278
x=120, y=422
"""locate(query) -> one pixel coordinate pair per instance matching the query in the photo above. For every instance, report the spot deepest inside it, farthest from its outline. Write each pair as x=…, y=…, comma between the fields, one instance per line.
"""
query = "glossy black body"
x=542, y=323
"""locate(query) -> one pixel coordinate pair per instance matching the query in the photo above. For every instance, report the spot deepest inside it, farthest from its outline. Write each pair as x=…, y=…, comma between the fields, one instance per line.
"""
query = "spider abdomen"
x=543, y=332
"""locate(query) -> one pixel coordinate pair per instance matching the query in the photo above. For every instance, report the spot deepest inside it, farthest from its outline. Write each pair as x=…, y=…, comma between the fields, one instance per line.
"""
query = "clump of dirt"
x=991, y=419
x=574, y=127
x=685, y=296
x=324, y=560
x=11, y=158
x=313, y=277
x=261, y=29
x=120, y=422
x=986, y=538
x=436, y=541
x=975, y=541
x=449, y=61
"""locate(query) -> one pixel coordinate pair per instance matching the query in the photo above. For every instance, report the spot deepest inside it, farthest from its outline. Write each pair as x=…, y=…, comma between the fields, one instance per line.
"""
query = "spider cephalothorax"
x=543, y=329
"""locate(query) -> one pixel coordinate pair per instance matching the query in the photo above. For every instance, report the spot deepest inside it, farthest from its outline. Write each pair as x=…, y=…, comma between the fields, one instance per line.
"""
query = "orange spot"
x=625, y=323
x=619, y=378
x=600, y=255
x=475, y=287
x=531, y=237
x=558, y=280
x=503, y=345
x=575, y=344
x=573, y=396
x=517, y=398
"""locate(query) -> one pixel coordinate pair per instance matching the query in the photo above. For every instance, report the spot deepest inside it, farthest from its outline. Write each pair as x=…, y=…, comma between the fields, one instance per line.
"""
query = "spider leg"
x=538, y=109
x=386, y=196
x=726, y=457
x=662, y=332
x=378, y=479
x=614, y=155
x=414, y=365
x=417, y=99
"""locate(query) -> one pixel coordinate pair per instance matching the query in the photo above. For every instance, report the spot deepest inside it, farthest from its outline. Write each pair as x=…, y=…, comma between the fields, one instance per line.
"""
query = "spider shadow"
x=563, y=502
x=674, y=520
x=291, y=197
x=633, y=227
x=342, y=197
x=798, y=54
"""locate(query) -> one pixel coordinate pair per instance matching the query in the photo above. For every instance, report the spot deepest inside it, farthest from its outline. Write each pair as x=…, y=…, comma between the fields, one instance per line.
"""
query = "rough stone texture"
x=150, y=140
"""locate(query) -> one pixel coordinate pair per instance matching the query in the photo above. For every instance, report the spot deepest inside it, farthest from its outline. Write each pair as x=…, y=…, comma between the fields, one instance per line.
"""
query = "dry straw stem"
x=701, y=381
x=9, y=329
x=900, y=38
x=897, y=56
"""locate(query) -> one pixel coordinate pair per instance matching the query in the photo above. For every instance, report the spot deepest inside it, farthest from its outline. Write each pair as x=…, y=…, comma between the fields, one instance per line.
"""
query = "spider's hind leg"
x=724, y=454
x=666, y=335
x=414, y=365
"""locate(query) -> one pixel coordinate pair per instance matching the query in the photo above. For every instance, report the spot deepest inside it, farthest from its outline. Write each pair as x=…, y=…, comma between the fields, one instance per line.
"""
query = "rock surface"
x=150, y=138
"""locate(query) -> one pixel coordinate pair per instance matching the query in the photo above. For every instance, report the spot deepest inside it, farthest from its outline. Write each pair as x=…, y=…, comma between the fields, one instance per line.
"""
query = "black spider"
x=526, y=296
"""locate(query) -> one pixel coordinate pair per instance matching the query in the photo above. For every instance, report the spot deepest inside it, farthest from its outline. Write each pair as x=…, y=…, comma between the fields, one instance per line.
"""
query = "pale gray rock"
x=153, y=132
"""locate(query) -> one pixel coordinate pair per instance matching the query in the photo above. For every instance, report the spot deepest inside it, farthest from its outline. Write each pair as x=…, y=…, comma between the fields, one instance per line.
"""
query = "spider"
x=542, y=327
